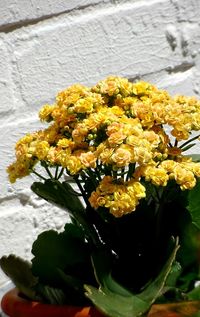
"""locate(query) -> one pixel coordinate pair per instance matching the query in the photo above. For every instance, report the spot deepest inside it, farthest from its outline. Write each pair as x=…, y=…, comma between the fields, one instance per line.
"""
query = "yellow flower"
x=95, y=120
x=21, y=148
x=116, y=138
x=123, y=204
x=195, y=168
x=84, y=105
x=105, y=154
x=142, y=154
x=136, y=188
x=41, y=150
x=71, y=95
x=51, y=134
x=106, y=186
x=122, y=156
x=74, y=165
x=65, y=143
x=93, y=200
x=181, y=134
x=168, y=165
x=120, y=198
x=156, y=175
x=61, y=156
x=52, y=155
x=142, y=88
x=184, y=177
x=79, y=133
x=113, y=86
x=45, y=113
x=20, y=169
x=152, y=138
x=88, y=159
x=114, y=127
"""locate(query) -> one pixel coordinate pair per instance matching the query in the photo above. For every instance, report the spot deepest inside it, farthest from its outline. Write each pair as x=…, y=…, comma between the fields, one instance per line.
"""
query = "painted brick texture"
x=46, y=46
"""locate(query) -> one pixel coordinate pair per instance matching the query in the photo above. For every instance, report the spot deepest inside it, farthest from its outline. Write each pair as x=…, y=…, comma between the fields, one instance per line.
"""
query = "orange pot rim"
x=14, y=305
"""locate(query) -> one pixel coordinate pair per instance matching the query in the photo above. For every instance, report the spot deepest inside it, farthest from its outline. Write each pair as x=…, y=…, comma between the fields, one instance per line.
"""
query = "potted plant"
x=114, y=156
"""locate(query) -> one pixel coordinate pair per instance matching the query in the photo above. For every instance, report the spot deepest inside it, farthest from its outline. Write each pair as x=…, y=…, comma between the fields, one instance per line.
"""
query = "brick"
x=127, y=40
x=6, y=92
x=22, y=11
x=187, y=10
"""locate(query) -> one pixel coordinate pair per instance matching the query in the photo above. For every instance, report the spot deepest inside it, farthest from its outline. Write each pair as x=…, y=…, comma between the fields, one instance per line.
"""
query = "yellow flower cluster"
x=120, y=197
x=115, y=125
x=183, y=172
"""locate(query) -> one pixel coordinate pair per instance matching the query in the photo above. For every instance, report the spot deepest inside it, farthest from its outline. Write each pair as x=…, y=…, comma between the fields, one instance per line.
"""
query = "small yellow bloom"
x=65, y=143
x=156, y=175
x=45, y=113
x=105, y=155
x=142, y=155
x=122, y=156
x=196, y=168
x=74, y=165
x=116, y=138
x=41, y=150
x=79, y=133
x=184, y=177
x=20, y=169
x=88, y=159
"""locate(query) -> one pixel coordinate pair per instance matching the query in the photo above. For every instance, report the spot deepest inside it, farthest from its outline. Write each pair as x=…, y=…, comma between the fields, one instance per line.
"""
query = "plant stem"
x=47, y=169
x=130, y=171
x=56, y=172
x=81, y=190
x=187, y=142
x=40, y=176
x=61, y=172
x=91, y=175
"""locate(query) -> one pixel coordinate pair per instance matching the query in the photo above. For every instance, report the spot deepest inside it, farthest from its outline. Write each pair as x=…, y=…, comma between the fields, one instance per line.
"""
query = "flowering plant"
x=114, y=156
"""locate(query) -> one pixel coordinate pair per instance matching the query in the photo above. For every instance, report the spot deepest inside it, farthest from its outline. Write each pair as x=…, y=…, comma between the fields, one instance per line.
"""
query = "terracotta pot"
x=15, y=306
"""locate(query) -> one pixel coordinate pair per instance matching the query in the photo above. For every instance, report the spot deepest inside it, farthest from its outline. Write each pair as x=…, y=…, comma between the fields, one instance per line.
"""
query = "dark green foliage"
x=62, y=260
x=114, y=300
x=194, y=205
x=126, y=263
x=61, y=194
x=19, y=271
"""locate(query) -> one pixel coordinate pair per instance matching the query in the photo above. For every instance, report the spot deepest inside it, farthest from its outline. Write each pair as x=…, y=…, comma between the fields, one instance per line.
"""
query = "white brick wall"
x=46, y=45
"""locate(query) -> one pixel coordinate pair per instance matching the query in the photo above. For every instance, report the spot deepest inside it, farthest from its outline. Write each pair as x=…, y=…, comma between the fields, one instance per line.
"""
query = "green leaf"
x=174, y=274
x=72, y=281
x=61, y=194
x=194, y=294
x=52, y=295
x=194, y=204
x=103, y=275
x=112, y=304
x=188, y=253
x=188, y=147
x=154, y=289
x=195, y=157
x=54, y=251
x=19, y=271
x=114, y=300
